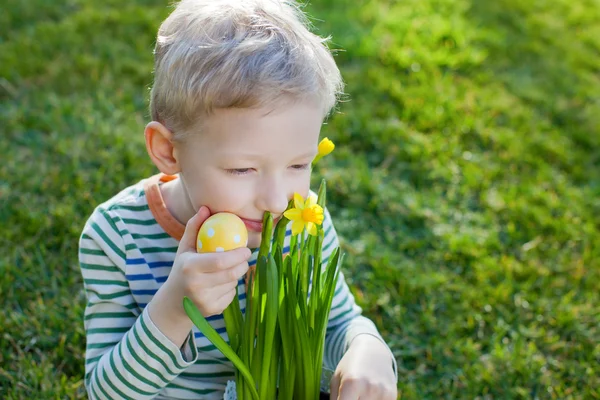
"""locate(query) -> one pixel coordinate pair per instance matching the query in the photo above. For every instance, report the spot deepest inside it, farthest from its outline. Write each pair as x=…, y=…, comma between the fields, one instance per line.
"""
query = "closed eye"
x=300, y=167
x=239, y=171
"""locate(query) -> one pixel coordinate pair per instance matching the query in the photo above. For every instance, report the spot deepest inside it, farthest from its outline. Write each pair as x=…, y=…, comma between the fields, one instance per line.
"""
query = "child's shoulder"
x=131, y=200
x=133, y=196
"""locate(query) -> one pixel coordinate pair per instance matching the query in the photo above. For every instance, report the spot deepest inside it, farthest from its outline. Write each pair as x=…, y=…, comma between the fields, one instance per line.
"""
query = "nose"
x=272, y=196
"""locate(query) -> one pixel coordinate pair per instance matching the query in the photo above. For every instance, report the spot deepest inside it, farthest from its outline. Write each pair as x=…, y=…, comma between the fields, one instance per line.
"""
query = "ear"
x=160, y=148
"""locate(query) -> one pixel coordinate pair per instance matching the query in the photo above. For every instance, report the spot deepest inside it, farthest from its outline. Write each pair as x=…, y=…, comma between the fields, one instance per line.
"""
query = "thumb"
x=188, y=241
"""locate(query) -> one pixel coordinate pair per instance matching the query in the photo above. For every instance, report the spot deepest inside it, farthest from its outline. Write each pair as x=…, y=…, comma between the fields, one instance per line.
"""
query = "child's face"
x=249, y=161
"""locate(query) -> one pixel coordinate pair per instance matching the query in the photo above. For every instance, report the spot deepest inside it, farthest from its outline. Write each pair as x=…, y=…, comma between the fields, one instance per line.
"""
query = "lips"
x=256, y=225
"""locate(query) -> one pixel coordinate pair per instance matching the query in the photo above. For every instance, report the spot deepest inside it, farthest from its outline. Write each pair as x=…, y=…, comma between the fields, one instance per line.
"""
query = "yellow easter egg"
x=221, y=232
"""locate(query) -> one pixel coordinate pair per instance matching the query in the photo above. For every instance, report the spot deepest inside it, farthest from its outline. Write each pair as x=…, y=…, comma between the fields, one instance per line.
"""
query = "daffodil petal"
x=298, y=201
x=297, y=227
x=325, y=147
x=293, y=214
x=310, y=201
x=311, y=228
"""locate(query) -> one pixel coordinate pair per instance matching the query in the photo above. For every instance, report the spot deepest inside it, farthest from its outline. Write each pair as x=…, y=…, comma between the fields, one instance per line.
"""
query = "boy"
x=240, y=92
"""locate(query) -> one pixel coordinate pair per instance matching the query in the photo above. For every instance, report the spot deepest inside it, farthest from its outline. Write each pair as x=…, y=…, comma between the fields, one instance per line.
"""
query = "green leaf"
x=233, y=322
x=207, y=330
x=269, y=322
x=322, y=195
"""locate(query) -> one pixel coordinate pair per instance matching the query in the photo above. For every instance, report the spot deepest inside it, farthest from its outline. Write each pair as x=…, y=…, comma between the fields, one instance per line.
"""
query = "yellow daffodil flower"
x=305, y=214
x=326, y=146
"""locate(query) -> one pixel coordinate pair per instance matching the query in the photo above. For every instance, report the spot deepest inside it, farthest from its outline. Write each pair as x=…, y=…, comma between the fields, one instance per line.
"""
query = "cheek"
x=216, y=193
x=300, y=186
x=223, y=197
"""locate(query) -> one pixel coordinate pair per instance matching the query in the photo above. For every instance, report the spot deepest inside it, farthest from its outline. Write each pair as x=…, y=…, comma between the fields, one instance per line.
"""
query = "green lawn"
x=466, y=183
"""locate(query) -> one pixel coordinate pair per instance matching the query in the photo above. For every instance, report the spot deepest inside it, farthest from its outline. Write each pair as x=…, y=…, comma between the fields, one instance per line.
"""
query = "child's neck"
x=177, y=200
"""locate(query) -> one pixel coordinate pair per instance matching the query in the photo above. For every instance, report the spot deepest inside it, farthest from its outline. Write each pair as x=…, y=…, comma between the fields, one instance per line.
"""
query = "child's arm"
x=128, y=355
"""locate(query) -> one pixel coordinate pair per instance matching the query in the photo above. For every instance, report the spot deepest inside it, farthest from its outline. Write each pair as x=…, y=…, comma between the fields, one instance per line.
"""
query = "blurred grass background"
x=465, y=184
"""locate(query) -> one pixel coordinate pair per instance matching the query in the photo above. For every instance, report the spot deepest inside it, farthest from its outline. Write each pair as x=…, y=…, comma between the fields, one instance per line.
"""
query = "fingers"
x=188, y=241
x=216, y=299
x=216, y=262
x=350, y=390
x=334, y=386
x=232, y=274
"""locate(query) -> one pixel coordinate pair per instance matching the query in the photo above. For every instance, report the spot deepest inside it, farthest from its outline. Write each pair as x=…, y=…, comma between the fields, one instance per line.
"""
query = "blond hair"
x=214, y=54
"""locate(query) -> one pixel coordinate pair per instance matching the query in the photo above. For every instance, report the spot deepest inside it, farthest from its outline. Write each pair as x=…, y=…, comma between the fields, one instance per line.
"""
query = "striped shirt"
x=126, y=252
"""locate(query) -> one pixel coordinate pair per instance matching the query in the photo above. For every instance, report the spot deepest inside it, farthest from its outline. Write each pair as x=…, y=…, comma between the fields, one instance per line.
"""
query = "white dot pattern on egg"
x=221, y=232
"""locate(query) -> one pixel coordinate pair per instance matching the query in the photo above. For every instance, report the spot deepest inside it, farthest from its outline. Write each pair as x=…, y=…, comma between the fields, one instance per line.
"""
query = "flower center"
x=313, y=214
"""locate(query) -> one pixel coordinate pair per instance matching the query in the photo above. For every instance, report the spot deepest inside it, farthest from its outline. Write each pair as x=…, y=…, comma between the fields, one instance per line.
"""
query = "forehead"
x=290, y=130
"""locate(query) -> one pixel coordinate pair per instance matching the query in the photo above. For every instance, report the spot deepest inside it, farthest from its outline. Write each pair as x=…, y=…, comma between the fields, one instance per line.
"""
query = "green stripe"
x=112, y=221
x=131, y=306
x=328, y=245
x=100, y=345
x=132, y=371
x=340, y=316
x=145, y=222
x=143, y=207
x=215, y=361
x=208, y=375
x=190, y=342
x=92, y=252
x=130, y=246
x=113, y=387
x=109, y=315
x=147, y=350
x=343, y=303
x=210, y=347
x=327, y=231
x=150, y=236
x=160, y=345
x=86, y=236
x=125, y=381
x=111, y=296
x=108, y=241
x=338, y=347
x=197, y=391
x=93, y=359
x=97, y=267
x=338, y=290
x=105, y=282
x=107, y=330
x=333, y=341
x=106, y=396
x=149, y=250
x=144, y=364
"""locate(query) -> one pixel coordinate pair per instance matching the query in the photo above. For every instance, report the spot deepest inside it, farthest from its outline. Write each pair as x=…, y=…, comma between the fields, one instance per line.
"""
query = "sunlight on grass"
x=465, y=186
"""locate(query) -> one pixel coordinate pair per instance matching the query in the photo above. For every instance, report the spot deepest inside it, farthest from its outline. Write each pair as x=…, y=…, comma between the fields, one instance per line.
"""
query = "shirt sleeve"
x=127, y=356
x=345, y=319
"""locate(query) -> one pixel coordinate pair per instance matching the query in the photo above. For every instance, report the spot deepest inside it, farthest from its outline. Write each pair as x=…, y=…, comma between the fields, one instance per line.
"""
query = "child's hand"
x=365, y=372
x=208, y=279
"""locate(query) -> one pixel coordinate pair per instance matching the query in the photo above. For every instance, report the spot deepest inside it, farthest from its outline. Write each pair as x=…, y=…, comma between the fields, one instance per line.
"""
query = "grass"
x=466, y=183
